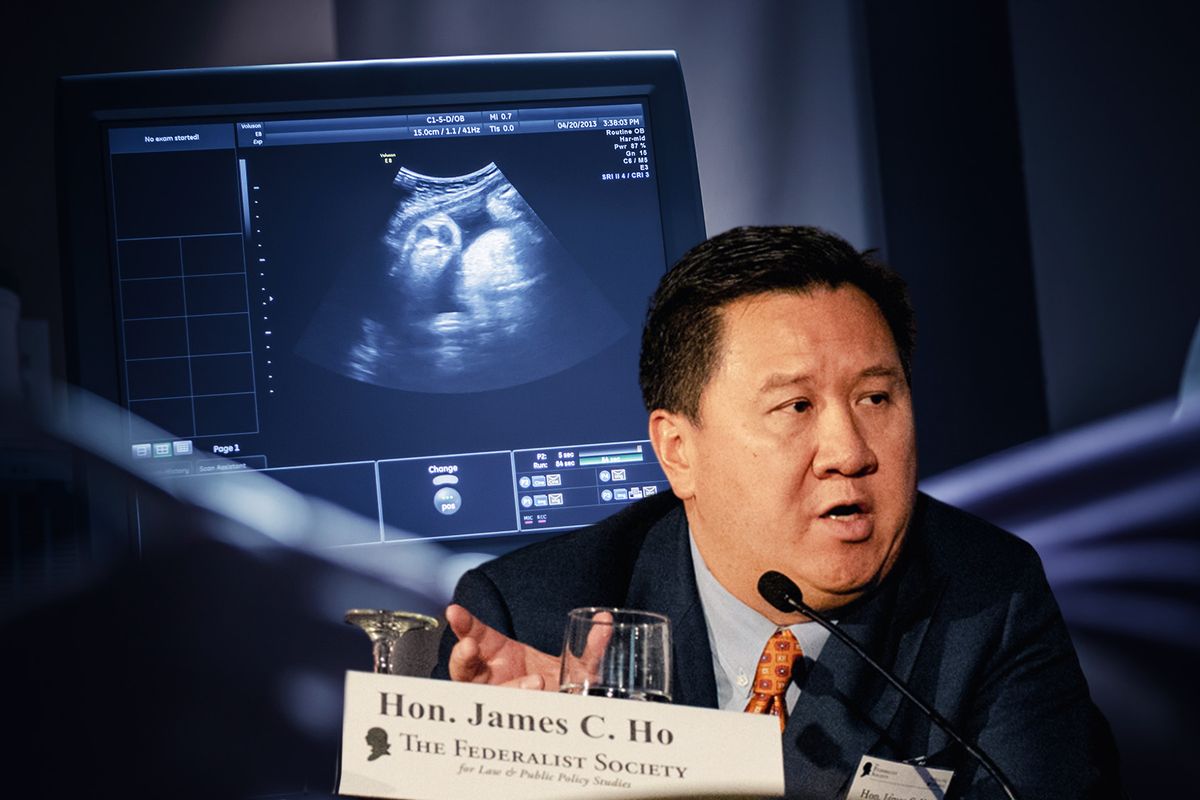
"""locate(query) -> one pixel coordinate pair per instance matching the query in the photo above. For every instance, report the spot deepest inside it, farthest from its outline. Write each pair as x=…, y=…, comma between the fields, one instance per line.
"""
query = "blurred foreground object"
x=1113, y=509
x=211, y=666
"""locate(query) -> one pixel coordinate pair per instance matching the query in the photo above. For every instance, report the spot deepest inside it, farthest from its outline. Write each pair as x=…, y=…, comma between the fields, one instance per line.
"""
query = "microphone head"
x=780, y=591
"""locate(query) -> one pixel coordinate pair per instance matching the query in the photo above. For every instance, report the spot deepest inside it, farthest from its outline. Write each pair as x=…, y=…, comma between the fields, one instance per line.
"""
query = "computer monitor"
x=412, y=287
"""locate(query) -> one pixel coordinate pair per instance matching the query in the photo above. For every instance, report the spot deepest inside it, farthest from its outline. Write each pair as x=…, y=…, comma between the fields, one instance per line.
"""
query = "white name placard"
x=421, y=739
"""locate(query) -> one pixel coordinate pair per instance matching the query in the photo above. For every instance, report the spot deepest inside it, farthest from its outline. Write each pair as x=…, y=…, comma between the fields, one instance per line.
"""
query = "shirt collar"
x=737, y=633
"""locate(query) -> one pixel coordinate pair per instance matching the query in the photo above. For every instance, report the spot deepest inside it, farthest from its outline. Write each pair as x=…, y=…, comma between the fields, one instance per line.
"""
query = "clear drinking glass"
x=386, y=628
x=617, y=652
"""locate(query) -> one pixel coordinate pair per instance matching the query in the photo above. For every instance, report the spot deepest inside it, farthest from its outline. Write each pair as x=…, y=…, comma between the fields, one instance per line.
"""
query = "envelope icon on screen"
x=556, y=498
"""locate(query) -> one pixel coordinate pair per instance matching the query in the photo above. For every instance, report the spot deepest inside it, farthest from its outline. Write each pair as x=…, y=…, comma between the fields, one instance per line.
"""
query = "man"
x=776, y=368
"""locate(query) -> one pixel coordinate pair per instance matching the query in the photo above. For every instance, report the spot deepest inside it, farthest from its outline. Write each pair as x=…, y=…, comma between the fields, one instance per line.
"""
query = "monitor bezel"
x=89, y=104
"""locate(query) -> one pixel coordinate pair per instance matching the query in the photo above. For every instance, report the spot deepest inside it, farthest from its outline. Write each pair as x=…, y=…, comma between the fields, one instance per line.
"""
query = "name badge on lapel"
x=880, y=779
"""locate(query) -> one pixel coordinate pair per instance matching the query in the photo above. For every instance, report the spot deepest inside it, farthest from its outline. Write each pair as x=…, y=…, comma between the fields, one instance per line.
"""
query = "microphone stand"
x=781, y=592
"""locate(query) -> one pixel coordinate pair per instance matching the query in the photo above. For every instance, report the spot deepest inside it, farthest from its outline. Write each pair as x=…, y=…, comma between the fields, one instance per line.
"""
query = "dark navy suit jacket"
x=965, y=617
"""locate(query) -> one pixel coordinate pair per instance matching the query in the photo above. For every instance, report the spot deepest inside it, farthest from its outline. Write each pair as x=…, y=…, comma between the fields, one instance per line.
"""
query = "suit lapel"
x=664, y=580
x=845, y=707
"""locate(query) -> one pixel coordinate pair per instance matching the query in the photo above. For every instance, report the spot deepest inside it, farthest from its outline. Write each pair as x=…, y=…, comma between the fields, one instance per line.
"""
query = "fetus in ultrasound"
x=476, y=294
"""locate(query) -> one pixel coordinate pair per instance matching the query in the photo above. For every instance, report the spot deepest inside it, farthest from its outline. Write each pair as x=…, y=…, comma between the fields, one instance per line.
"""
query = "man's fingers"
x=544, y=667
x=527, y=682
x=459, y=619
x=467, y=626
x=598, y=637
x=484, y=655
x=465, y=662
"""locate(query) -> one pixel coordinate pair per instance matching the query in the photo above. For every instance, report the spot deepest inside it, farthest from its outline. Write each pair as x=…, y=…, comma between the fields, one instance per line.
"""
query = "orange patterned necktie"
x=773, y=675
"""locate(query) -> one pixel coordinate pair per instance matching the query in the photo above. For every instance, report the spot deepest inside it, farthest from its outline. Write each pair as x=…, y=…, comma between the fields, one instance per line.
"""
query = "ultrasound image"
x=475, y=294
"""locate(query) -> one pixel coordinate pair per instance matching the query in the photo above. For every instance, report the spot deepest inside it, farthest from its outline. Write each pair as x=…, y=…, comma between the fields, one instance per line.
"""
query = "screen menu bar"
x=628, y=119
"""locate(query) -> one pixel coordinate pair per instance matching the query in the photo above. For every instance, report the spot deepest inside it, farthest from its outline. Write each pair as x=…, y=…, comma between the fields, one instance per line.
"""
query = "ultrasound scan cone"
x=476, y=294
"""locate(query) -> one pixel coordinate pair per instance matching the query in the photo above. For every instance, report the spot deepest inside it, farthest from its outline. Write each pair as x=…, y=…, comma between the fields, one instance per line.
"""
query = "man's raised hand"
x=484, y=655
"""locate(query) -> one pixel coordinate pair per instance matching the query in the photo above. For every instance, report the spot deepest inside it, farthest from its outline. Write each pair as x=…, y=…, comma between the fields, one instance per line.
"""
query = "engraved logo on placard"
x=377, y=740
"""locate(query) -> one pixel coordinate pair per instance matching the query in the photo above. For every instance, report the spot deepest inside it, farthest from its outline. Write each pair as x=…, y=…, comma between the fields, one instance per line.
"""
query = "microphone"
x=780, y=591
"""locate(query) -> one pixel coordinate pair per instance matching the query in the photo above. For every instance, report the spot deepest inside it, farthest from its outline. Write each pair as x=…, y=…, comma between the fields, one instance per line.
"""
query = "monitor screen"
x=425, y=305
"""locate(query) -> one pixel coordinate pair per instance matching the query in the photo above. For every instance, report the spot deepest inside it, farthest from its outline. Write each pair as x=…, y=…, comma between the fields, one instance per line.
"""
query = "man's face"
x=804, y=458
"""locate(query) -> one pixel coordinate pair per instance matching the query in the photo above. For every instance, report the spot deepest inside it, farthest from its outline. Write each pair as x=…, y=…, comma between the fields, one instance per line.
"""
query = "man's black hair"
x=683, y=325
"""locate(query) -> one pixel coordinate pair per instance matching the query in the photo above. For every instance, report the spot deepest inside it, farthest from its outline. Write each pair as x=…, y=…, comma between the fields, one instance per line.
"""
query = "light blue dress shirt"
x=736, y=636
